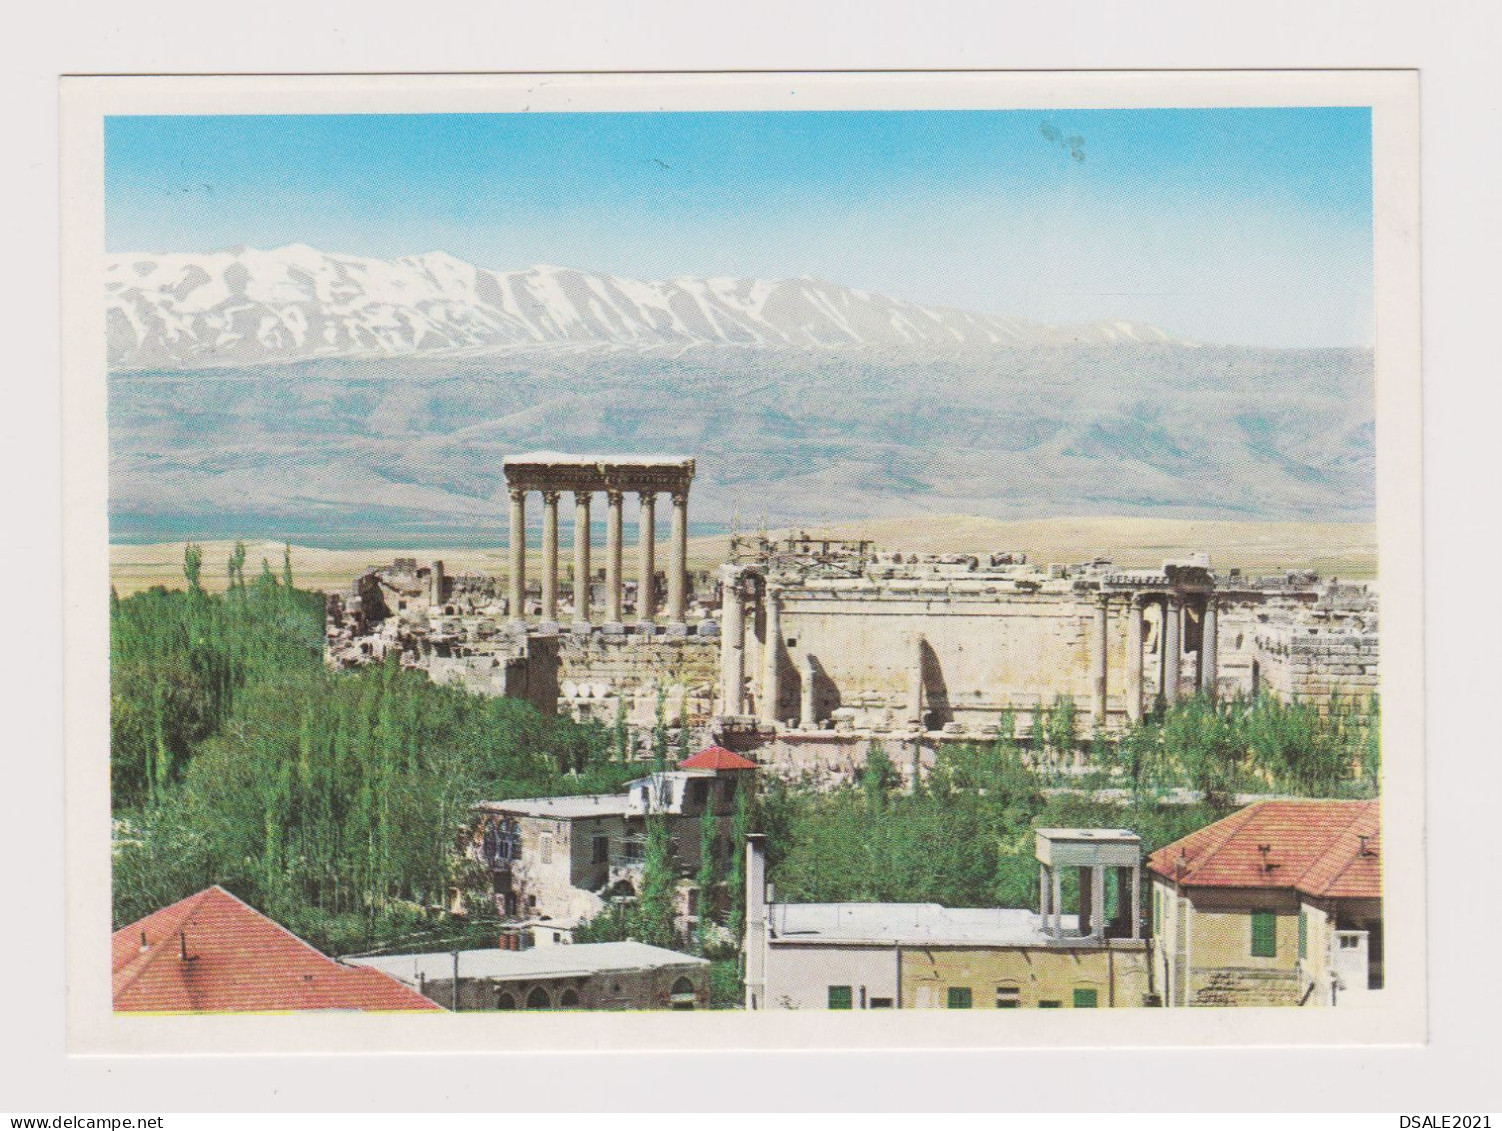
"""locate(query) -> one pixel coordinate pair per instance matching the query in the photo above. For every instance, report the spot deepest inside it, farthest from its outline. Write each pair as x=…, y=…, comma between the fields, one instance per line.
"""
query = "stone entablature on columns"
x=647, y=476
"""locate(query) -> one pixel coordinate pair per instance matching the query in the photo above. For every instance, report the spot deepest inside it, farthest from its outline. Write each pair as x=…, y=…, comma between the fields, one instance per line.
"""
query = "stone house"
x=612, y=975
x=562, y=858
x=1277, y=904
x=923, y=956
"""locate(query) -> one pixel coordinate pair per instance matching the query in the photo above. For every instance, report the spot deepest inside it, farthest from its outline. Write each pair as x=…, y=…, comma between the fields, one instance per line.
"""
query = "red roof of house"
x=238, y=961
x=716, y=758
x=1320, y=848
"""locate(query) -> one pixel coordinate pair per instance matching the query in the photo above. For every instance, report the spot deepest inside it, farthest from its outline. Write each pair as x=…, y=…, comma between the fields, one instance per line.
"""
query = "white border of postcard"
x=93, y=1028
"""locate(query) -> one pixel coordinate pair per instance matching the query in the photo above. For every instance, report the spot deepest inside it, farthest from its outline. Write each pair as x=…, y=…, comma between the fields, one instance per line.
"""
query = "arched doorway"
x=504, y=1000
x=538, y=999
x=682, y=995
x=569, y=999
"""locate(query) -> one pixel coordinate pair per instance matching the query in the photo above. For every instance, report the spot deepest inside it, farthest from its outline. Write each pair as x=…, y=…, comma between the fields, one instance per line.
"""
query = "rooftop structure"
x=213, y=953
x=1318, y=848
x=716, y=759
x=907, y=924
x=578, y=960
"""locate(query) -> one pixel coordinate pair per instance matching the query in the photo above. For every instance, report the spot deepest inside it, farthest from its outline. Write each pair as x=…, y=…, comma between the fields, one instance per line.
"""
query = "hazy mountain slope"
x=342, y=449
x=245, y=307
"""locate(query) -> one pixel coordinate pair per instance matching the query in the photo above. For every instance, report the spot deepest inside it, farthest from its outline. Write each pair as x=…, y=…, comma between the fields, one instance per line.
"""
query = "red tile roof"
x=716, y=758
x=1320, y=848
x=238, y=961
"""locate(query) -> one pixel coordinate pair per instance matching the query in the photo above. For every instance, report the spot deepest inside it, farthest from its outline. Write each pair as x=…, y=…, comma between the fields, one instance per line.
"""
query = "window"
x=547, y=848
x=840, y=997
x=1157, y=910
x=601, y=848
x=1264, y=934
x=1085, y=999
x=958, y=997
x=1008, y=997
x=881, y=1003
x=1303, y=933
x=1050, y=1005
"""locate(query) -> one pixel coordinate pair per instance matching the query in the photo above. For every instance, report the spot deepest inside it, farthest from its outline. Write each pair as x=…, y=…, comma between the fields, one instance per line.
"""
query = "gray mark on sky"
x=1074, y=143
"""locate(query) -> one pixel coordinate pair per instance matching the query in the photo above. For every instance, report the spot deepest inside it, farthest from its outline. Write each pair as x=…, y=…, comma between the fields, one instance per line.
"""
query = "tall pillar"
x=1173, y=623
x=806, y=692
x=613, y=538
x=1134, y=660
x=1089, y=909
x=435, y=582
x=1098, y=663
x=581, y=558
x=1209, y=646
x=915, y=687
x=1044, y=891
x=1098, y=902
x=732, y=642
x=1136, y=901
x=771, y=654
x=550, y=557
x=646, y=550
x=1057, y=902
x=517, y=582
x=678, y=561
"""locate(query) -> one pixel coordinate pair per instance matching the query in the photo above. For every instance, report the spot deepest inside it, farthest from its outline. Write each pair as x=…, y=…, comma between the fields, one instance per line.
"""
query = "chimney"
x=756, y=920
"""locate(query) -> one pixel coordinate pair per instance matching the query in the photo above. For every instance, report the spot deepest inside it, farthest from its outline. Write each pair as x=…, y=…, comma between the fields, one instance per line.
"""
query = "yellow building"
x=923, y=956
x=1277, y=904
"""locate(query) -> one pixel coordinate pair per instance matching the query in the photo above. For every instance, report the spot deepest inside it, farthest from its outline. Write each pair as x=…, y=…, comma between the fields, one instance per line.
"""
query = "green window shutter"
x=839, y=997
x=1303, y=934
x=1264, y=934
x=959, y=997
x=1084, y=999
x=1049, y=1005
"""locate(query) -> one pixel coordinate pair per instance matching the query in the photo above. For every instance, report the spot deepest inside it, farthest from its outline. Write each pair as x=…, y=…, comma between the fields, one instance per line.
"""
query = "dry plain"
x=1333, y=549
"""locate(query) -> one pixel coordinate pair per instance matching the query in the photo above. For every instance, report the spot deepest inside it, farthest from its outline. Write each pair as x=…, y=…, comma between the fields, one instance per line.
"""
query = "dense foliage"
x=333, y=800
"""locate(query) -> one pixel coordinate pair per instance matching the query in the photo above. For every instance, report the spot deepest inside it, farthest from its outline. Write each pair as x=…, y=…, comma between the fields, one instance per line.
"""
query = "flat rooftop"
x=914, y=924
x=564, y=960
x=563, y=808
x=1101, y=836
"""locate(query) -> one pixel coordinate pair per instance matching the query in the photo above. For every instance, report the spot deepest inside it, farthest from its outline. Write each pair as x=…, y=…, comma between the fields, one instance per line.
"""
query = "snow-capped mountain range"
x=244, y=307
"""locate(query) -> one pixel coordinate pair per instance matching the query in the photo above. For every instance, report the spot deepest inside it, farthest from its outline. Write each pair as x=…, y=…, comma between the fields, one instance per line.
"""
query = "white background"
x=1455, y=47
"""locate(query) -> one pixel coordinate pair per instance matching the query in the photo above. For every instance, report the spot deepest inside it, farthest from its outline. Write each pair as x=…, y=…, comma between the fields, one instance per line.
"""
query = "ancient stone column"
x=646, y=550
x=1173, y=624
x=550, y=557
x=435, y=583
x=771, y=654
x=581, y=559
x=1098, y=663
x=517, y=597
x=678, y=562
x=1134, y=660
x=1209, y=646
x=613, y=539
x=915, y=687
x=732, y=642
x=806, y=692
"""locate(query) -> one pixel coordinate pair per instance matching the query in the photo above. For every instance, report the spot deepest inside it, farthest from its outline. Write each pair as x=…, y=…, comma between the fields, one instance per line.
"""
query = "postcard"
x=743, y=561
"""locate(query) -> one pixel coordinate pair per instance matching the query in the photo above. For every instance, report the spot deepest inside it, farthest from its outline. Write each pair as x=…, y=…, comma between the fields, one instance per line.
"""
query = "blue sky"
x=1250, y=226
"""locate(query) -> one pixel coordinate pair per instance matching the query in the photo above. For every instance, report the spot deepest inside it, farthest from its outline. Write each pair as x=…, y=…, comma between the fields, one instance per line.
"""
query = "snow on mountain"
x=243, y=307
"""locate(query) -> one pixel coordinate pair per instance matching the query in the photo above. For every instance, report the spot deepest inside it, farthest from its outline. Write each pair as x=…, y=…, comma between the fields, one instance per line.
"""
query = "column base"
x=580, y=627
x=646, y=627
x=677, y=628
x=613, y=628
x=516, y=626
x=709, y=627
x=547, y=628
